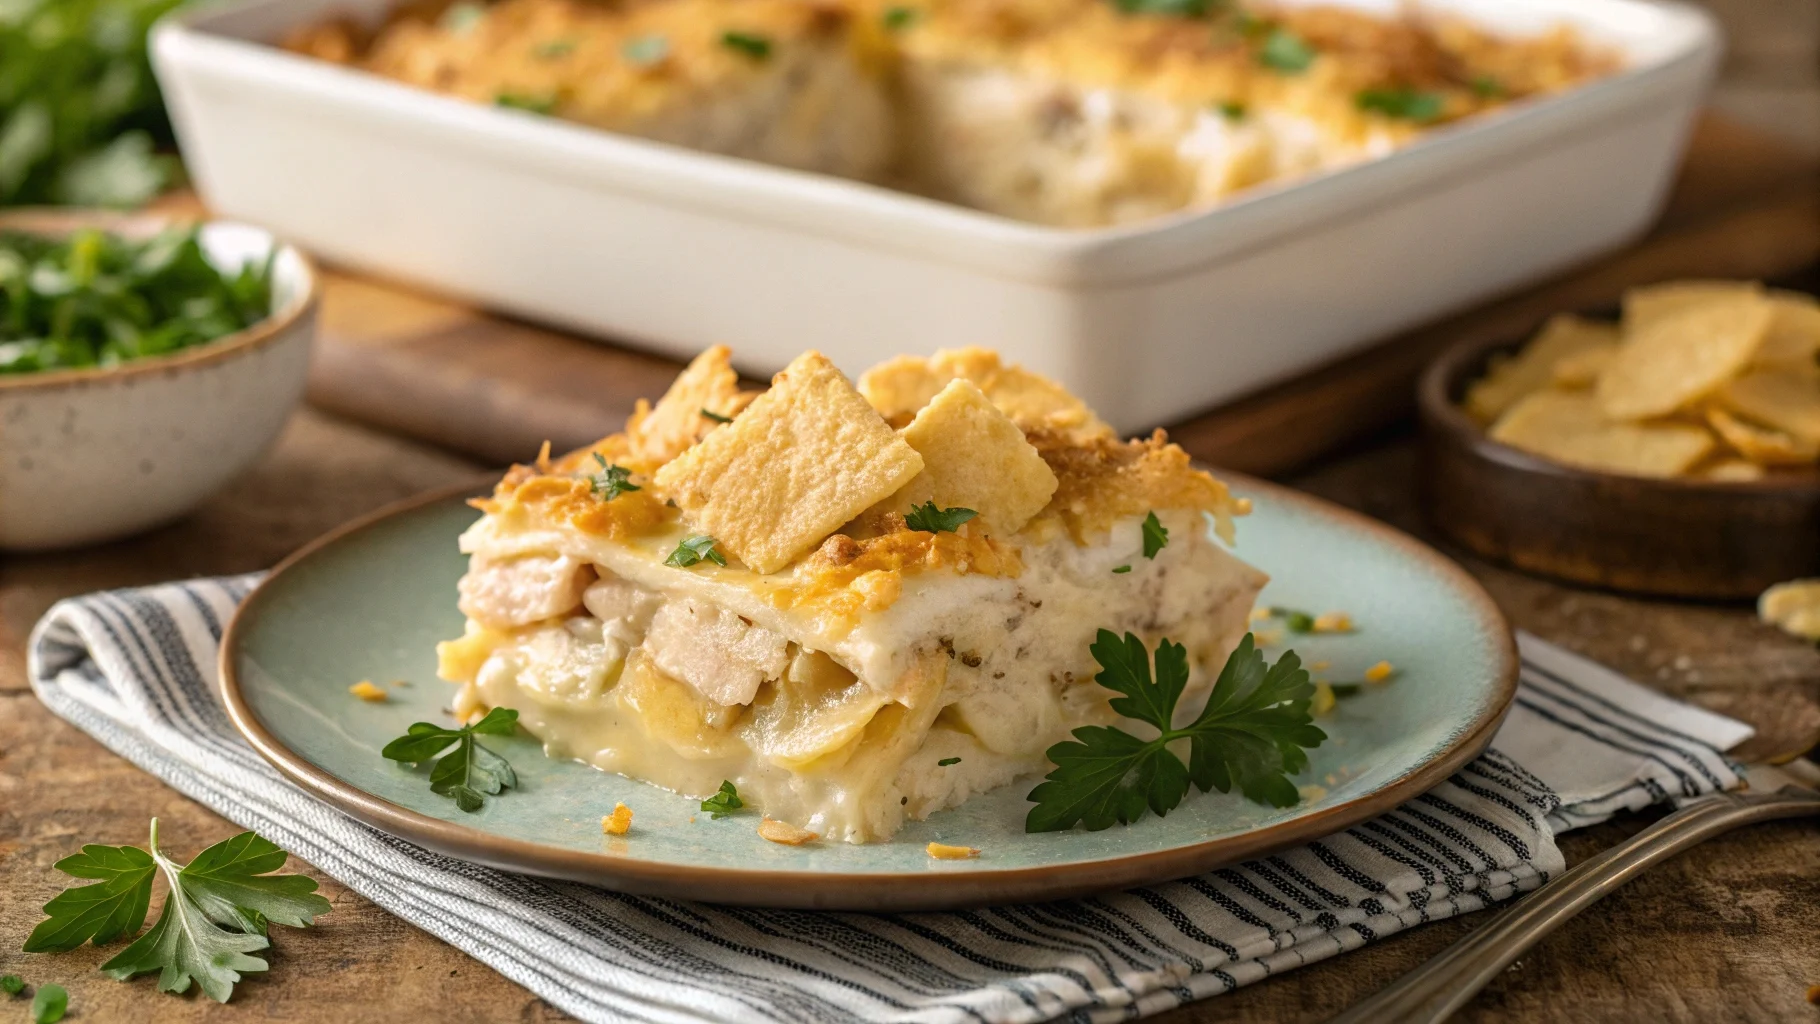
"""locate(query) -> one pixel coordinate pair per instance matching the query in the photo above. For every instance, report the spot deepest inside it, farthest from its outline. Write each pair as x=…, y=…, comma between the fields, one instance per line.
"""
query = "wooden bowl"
x=1676, y=538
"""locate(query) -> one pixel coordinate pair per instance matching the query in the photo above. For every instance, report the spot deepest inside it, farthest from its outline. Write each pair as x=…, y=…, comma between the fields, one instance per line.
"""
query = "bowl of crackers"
x=1671, y=447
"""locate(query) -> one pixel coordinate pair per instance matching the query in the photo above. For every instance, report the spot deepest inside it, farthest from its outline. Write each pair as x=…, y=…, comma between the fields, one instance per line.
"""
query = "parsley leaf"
x=1297, y=621
x=114, y=906
x=468, y=773
x=693, y=550
x=946, y=761
x=612, y=481
x=645, y=50
x=12, y=984
x=534, y=103
x=49, y=1004
x=1155, y=536
x=897, y=18
x=1122, y=569
x=1250, y=734
x=754, y=46
x=217, y=911
x=710, y=414
x=1231, y=110
x=1488, y=87
x=1285, y=51
x=1168, y=8
x=724, y=802
x=1402, y=103
x=930, y=519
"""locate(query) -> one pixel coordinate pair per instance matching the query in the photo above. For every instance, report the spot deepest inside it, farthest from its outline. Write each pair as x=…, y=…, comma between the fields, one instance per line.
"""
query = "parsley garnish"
x=1167, y=8
x=612, y=481
x=539, y=103
x=555, y=48
x=896, y=18
x=49, y=1004
x=1155, y=536
x=756, y=47
x=460, y=19
x=1297, y=621
x=12, y=984
x=930, y=519
x=946, y=761
x=1488, y=87
x=1343, y=690
x=1252, y=734
x=1231, y=110
x=469, y=770
x=1403, y=104
x=716, y=417
x=645, y=50
x=1285, y=51
x=694, y=549
x=1122, y=569
x=724, y=802
x=217, y=912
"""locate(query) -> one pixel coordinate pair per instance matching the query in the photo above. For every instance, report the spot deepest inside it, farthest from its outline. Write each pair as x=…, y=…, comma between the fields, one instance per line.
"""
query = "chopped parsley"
x=1231, y=110
x=12, y=984
x=1402, y=103
x=693, y=550
x=1155, y=536
x=1122, y=569
x=612, y=481
x=49, y=1004
x=218, y=911
x=1168, y=8
x=1253, y=733
x=724, y=802
x=897, y=18
x=754, y=46
x=1285, y=51
x=1343, y=690
x=1297, y=621
x=555, y=49
x=946, y=761
x=1488, y=87
x=645, y=50
x=716, y=417
x=460, y=19
x=468, y=773
x=930, y=519
x=534, y=103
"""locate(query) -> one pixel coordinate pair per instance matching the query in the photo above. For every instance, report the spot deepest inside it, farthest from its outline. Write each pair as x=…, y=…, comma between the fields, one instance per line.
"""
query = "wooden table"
x=1726, y=933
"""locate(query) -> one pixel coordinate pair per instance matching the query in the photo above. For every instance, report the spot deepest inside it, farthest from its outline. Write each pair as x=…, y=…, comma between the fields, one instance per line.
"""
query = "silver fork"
x=1434, y=991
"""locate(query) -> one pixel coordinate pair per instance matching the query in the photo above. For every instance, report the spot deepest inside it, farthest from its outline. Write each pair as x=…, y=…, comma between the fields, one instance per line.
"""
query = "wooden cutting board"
x=1745, y=206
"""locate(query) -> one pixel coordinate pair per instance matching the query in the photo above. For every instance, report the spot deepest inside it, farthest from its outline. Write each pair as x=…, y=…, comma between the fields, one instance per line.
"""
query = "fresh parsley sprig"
x=1156, y=537
x=1285, y=51
x=1403, y=103
x=930, y=519
x=710, y=414
x=695, y=549
x=1253, y=733
x=217, y=911
x=612, y=481
x=724, y=802
x=470, y=772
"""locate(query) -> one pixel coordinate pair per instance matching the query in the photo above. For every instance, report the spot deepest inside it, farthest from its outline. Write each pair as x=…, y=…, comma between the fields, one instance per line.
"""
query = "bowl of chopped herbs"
x=162, y=357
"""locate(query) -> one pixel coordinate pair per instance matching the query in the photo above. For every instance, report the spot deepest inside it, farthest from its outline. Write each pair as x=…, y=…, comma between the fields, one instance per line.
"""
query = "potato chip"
x=899, y=387
x=902, y=386
x=1788, y=400
x=1568, y=427
x=1794, y=606
x=1762, y=445
x=1793, y=341
x=657, y=435
x=1651, y=303
x=975, y=457
x=805, y=457
x=1729, y=469
x=1581, y=369
x=1530, y=370
x=1679, y=356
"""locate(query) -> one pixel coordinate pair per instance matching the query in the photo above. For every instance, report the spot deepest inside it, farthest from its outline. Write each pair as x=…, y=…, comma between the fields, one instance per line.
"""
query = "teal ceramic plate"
x=371, y=600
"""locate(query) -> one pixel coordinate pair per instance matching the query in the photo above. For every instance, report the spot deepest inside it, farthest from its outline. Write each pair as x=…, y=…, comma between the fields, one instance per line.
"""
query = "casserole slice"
x=854, y=623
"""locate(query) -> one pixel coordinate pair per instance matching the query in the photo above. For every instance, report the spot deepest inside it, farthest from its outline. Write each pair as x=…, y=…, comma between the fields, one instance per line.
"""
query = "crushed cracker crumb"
x=785, y=833
x=1379, y=672
x=942, y=851
x=366, y=691
x=619, y=822
x=1333, y=622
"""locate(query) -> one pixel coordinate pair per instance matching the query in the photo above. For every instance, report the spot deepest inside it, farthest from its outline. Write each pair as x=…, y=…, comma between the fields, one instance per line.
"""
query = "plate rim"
x=924, y=890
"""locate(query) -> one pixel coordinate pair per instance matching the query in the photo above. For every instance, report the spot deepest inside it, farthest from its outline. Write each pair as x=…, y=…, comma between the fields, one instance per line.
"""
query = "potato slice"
x=1787, y=400
x=1581, y=369
x=1679, y=357
x=1569, y=428
x=1729, y=469
x=1762, y=445
x=1530, y=369
x=1646, y=305
x=805, y=457
x=1794, y=607
x=898, y=389
x=975, y=457
x=1793, y=342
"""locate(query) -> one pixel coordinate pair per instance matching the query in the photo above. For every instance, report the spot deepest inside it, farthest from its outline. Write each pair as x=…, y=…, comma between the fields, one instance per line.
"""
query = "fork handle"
x=1432, y=992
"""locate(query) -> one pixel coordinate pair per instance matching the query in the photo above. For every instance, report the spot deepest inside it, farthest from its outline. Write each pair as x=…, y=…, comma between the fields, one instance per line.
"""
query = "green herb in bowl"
x=96, y=299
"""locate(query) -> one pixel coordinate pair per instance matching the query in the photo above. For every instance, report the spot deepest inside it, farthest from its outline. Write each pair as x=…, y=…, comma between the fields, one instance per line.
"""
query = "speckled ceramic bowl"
x=91, y=455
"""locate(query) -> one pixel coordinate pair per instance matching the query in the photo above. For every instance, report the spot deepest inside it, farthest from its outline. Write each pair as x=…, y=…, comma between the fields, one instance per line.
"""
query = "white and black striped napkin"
x=135, y=669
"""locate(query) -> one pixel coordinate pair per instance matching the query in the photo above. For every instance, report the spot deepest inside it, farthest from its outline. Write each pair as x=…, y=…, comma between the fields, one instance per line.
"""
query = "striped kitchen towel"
x=135, y=669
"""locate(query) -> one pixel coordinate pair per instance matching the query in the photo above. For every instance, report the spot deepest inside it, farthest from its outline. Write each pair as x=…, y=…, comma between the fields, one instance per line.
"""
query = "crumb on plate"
x=366, y=691
x=619, y=822
x=785, y=833
x=942, y=851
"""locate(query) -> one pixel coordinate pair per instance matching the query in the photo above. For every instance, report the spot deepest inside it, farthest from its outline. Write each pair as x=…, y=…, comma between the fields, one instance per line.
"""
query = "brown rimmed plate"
x=371, y=600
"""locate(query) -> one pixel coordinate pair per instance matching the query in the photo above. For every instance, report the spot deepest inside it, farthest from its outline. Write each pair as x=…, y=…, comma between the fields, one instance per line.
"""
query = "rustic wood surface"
x=1746, y=206
x=1725, y=933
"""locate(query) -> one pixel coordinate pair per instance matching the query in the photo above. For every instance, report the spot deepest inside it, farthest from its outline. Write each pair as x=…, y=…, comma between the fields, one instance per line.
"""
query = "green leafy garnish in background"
x=49, y=1004
x=217, y=912
x=1403, y=104
x=12, y=984
x=645, y=50
x=1285, y=51
x=533, y=103
x=724, y=802
x=95, y=299
x=897, y=18
x=612, y=481
x=1297, y=621
x=930, y=519
x=1168, y=8
x=81, y=119
x=695, y=549
x=754, y=46
x=470, y=772
x=1252, y=733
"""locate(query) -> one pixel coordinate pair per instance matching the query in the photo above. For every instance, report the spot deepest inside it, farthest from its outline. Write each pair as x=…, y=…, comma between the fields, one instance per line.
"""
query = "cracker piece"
x=805, y=457
x=1567, y=427
x=1681, y=356
x=975, y=457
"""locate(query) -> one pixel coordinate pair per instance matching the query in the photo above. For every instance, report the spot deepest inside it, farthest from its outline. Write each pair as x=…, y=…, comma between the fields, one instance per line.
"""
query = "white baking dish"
x=675, y=250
